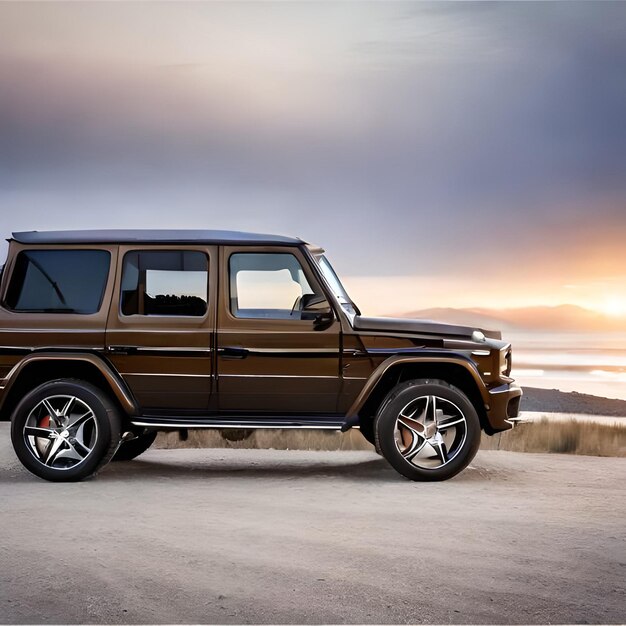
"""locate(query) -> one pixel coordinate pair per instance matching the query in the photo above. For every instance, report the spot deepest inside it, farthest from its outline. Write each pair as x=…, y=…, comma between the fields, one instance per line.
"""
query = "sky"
x=451, y=154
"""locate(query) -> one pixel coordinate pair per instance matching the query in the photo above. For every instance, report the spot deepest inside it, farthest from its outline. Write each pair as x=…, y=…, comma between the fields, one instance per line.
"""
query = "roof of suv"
x=153, y=236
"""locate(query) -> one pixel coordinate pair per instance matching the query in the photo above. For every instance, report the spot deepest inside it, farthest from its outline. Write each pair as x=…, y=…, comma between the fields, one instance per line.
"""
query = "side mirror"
x=316, y=308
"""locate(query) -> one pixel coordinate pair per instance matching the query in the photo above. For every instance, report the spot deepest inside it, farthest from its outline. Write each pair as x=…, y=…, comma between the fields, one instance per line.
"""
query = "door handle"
x=122, y=349
x=233, y=353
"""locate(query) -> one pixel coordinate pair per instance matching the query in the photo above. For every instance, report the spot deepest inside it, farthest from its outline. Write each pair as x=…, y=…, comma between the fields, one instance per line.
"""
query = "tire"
x=427, y=430
x=73, y=430
x=132, y=448
x=366, y=428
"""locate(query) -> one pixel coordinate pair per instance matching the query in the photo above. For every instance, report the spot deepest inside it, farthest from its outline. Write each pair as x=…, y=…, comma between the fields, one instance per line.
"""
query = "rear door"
x=269, y=359
x=160, y=329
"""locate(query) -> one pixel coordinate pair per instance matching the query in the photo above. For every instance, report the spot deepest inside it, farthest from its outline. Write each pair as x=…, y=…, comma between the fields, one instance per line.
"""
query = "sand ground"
x=265, y=536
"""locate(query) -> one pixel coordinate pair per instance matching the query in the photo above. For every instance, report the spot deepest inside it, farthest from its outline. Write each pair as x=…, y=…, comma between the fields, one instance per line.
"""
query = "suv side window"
x=267, y=285
x=58, y=281
x=168, y=282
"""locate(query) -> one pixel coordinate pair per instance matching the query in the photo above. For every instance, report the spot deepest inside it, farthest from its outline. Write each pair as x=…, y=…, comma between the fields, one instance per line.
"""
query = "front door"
x=160, y=329
x=269, y=359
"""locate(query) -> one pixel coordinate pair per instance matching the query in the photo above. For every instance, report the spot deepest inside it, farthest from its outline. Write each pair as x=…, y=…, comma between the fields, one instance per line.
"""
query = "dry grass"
x=565, y=437
x=568, y=437
x=276, y=439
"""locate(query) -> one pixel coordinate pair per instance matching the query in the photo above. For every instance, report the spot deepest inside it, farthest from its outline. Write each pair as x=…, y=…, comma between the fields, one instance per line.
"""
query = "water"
x=593, y=363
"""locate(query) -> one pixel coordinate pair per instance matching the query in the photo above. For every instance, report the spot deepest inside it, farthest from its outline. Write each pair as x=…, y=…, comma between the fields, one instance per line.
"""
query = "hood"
x=419, y=327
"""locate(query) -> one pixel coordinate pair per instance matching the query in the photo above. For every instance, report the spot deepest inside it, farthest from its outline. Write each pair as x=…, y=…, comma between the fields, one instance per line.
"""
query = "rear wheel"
x=428, y=430
x=65, y=430
x=132, y=448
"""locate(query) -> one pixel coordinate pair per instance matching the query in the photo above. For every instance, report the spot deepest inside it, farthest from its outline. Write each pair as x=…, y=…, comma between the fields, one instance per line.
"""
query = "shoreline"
x=536, y=400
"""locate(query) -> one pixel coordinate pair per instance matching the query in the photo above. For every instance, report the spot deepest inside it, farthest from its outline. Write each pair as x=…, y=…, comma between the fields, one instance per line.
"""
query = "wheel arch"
x=454, y=370
x=40, y=367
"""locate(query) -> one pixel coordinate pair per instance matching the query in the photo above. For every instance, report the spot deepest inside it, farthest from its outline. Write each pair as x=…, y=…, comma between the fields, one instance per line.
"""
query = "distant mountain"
x=567, y=318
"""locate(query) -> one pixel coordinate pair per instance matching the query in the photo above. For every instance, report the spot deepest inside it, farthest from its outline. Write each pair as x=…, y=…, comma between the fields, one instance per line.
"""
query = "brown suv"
x=111, y=336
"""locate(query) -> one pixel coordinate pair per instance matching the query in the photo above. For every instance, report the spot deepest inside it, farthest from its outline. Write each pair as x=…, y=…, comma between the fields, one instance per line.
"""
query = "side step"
x=334, y=422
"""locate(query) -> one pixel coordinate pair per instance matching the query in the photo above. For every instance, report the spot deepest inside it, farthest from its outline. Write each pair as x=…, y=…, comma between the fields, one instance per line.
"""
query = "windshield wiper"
x=49, y=279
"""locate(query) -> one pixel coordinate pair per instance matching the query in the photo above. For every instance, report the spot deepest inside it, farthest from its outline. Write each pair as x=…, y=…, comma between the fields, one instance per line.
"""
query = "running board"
x=220, y=421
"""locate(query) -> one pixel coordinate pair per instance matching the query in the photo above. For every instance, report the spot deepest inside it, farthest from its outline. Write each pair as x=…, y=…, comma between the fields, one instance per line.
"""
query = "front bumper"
x=503, y=406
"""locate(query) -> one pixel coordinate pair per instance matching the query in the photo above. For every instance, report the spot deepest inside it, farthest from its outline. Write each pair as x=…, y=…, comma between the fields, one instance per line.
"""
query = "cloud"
x=423, y=139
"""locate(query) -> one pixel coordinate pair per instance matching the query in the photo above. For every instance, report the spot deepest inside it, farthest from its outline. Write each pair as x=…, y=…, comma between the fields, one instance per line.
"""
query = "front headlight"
x=478, y=336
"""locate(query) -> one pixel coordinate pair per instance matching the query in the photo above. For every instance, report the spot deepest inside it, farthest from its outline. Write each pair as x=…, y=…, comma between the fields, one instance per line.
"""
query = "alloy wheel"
x=61, y=431
x=430, y=431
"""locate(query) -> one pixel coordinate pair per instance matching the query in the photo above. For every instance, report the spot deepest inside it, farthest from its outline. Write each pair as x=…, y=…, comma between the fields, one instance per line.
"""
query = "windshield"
x=335, y=284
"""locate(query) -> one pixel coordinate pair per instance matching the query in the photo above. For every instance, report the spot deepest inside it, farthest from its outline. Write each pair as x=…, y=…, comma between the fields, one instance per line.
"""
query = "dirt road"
x=240, y=536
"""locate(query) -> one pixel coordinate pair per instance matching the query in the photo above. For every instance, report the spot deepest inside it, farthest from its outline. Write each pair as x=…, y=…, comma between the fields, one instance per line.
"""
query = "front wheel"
x=427, y=430
x=65, y=430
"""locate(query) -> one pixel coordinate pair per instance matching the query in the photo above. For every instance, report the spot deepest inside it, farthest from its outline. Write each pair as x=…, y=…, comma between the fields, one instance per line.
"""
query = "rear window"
x=168, y=282
x=58, y=281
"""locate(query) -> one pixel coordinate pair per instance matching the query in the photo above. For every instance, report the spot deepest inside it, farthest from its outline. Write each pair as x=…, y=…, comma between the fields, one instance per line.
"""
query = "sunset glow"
x=615, y=306
x=401, y=294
